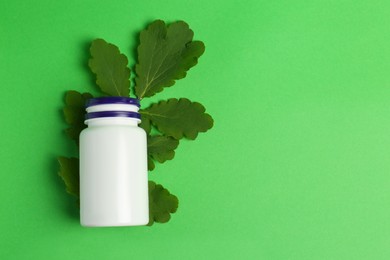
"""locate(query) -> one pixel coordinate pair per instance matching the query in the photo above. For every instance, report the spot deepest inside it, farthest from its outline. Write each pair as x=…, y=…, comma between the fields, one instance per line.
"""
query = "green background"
x=296, y=167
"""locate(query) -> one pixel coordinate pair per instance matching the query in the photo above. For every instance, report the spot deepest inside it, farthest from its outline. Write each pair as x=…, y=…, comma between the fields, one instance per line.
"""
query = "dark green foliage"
x=160, y=148
x=165, y=54
x=69, y=172
x=110, y=67
x=74, y=111
x=178, y=118
x=161, y=203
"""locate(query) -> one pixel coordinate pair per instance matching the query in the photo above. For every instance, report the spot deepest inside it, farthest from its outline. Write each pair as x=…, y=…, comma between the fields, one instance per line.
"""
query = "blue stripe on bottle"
x=112, y=114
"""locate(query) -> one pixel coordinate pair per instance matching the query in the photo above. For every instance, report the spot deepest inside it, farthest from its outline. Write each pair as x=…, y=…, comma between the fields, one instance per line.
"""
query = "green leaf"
x=110, y=67
x=165, y=54
x=74, y=111
x=151, y=164
x=161, y=203
x=69, y=172
x=145, y=124
x=178, y=118
x=160, y=148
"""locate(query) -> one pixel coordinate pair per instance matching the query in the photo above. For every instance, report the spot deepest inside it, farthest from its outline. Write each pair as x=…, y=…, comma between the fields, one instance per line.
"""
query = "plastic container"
x=113, y=165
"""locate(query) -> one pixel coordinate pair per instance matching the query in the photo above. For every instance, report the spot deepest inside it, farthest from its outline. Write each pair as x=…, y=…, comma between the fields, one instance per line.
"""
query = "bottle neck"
x=109, y=121
x=105, y=114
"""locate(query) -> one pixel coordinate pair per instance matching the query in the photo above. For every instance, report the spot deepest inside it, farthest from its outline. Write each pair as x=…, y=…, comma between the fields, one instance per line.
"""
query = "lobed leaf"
x=165, y=54
x=110, y=67
x=160, y=148
x=74, y=111
x=69, y=172
x=178, y=118
x=161, y=203
x=145, y=124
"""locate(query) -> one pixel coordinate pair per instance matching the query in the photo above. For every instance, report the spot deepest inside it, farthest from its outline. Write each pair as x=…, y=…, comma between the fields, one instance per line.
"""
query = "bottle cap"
x=112, y=100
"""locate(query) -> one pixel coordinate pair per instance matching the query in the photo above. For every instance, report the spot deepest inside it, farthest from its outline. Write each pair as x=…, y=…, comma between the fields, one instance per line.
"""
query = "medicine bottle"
x=113, y=164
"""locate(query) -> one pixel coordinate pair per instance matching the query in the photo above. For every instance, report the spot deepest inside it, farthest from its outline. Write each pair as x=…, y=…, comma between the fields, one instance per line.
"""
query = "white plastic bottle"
x=113, y=164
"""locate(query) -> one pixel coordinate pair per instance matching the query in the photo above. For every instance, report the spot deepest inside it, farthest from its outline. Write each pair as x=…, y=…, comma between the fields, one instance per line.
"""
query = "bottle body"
x=113, y=173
